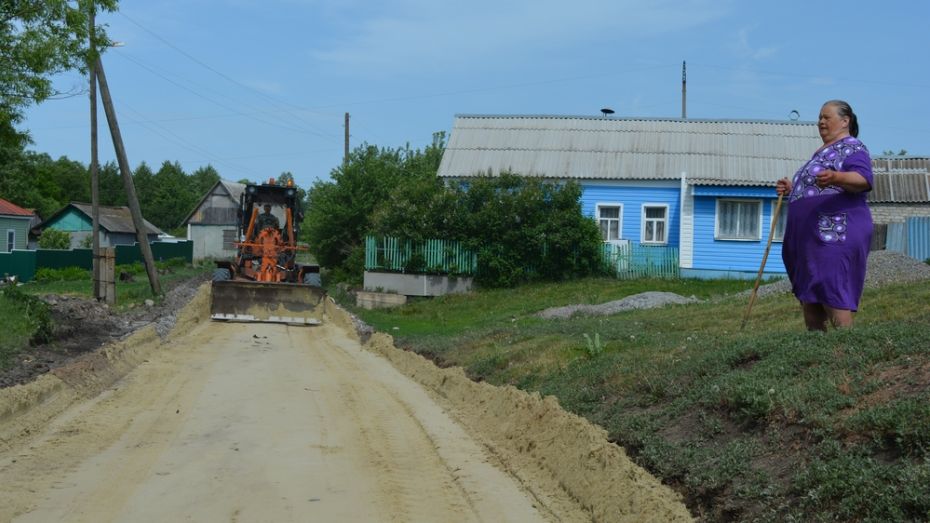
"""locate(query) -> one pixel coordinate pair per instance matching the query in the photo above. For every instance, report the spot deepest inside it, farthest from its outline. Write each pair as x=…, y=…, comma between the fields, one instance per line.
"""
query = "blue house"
x=705, y=187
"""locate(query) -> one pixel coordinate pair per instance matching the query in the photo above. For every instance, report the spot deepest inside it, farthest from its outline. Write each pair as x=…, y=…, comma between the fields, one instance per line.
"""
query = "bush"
x=36, y=312
x=54, y=239
x=46, y=274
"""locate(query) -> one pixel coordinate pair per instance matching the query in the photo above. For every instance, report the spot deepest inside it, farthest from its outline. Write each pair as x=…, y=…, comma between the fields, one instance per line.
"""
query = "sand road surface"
x=261, y=422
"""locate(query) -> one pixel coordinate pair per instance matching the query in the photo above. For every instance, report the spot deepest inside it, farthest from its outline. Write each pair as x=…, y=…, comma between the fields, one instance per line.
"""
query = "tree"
x=39, y=38
x=203, y=179
x=339, y=213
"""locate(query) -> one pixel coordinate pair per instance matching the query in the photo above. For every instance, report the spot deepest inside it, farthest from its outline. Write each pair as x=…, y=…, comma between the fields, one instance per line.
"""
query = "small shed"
x=14, y=226
x=116, y=226
x=211, y=225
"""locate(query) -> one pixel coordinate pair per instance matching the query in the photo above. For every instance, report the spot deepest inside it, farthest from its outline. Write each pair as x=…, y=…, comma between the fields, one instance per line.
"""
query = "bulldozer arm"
x=290, y=303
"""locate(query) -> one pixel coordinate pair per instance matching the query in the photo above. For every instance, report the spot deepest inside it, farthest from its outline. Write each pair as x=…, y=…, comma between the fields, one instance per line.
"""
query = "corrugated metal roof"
x=900, y=179
x=732, y=152
x=11, y=209
x=115, y=219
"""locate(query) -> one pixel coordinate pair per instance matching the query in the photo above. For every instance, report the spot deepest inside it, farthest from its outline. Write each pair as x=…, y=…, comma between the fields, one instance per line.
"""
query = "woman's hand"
x=829, y=177
x=783, y=187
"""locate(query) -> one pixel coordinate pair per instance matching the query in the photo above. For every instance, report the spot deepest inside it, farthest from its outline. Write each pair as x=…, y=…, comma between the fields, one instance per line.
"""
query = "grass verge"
x=771, y=423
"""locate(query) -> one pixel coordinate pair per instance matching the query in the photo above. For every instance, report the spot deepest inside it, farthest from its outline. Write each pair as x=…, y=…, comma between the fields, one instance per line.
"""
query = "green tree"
x=39, y=38
x=54, y=239
x=203, y=179
x=339, y=212
x=110, y=184
x=171, y=198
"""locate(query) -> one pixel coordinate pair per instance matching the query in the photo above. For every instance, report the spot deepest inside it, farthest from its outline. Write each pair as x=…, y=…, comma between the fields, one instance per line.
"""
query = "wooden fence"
x=422, y=257
x=629, y=261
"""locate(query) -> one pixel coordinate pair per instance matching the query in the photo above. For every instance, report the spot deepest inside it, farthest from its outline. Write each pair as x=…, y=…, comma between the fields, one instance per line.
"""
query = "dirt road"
x=239, y=422
x=260, y=422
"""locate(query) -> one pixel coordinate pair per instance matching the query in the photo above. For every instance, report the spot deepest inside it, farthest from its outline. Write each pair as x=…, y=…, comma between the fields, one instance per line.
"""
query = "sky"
x=256, y=88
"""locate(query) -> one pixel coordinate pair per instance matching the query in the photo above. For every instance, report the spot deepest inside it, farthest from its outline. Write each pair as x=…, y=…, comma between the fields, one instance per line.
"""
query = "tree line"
x=35, y=181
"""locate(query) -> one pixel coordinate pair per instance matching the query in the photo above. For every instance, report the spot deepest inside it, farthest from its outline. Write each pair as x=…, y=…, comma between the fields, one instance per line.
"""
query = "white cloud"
x=406, y=34
x=746, y=50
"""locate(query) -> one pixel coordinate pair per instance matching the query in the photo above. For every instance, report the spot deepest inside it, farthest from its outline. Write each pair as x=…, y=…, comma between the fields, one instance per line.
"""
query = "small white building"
x=211, y=226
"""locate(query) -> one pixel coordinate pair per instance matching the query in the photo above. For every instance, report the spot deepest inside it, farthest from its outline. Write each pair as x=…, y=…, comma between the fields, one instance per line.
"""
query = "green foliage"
x=339, y=213
x=54, y=239
x=594, y=347
x=39, y=38
x=34, y=312
x=44, y=274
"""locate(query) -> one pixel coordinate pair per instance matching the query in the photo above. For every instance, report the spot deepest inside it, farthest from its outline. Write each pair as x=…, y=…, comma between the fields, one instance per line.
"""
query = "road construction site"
x=216, y=421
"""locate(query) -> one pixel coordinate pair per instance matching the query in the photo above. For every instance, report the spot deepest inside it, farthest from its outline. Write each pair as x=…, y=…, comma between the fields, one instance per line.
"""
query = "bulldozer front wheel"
x=221, y=274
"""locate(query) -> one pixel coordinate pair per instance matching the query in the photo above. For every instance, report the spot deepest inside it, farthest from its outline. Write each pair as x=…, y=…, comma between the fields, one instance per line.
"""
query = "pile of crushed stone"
x=643, y=300
x=884, y=268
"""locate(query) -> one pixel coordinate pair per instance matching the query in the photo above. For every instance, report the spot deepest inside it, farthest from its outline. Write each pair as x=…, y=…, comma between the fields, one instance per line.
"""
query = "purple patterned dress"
x=829, y=230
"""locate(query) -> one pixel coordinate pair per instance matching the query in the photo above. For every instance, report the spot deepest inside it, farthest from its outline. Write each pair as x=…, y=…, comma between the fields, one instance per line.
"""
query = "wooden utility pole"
x=99, y=290
x=345, y=156
x=138, y=221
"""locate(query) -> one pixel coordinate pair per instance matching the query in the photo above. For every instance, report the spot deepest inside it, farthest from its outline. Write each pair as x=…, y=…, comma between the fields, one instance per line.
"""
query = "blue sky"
x=256, y=88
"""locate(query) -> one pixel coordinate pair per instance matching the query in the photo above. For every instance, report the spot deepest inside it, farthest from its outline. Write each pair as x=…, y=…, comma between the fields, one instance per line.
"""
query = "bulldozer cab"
x=265, y=282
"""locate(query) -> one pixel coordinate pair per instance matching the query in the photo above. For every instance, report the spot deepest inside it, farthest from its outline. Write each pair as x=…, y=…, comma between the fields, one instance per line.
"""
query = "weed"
x=593, y=348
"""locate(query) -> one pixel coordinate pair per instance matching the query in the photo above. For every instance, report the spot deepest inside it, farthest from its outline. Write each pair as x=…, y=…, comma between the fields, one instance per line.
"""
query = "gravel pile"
x=885, y=267
x=643, y=300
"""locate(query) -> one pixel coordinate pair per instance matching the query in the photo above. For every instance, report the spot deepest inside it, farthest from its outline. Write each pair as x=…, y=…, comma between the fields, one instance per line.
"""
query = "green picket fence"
x=423, y=257
x=631, y=261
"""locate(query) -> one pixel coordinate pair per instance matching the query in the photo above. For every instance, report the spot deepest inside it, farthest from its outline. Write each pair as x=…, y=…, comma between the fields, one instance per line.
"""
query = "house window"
x=10, y=239
x=655, y=223
x=229, y=239
x=739, y=220
x=780, y=225
x=609, y=217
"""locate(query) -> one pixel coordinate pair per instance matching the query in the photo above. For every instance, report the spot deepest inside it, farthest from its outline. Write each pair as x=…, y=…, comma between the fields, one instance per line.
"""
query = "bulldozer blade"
x=290, y=303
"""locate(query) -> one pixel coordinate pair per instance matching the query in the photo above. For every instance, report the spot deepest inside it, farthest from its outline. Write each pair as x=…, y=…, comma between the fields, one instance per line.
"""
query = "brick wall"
x=897, y=212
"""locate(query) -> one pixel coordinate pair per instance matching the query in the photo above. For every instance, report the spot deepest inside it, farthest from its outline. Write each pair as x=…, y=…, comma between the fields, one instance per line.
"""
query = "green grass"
x=769, y=423
x=26, y=319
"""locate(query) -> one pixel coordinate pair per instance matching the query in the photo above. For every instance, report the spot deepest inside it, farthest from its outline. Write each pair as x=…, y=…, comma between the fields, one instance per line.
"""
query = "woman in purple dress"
x=829, y=226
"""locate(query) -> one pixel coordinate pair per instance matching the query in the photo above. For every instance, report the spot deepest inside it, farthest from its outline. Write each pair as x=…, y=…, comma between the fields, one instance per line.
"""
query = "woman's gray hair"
x=845, y=111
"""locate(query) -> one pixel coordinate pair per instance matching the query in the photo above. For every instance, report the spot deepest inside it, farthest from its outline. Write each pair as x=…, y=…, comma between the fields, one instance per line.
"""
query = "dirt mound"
x=538, y=441
x=83, y=325
x=643, y=300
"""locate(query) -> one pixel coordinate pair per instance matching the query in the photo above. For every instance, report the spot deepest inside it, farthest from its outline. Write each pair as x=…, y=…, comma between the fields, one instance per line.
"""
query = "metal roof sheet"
x=115, y=219
x=900, y=180
x=11, y=209
x=738, y=152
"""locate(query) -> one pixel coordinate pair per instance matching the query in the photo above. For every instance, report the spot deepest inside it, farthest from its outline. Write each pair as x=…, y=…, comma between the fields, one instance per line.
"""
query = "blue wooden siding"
x=633, y=199
x=71, y=221
x=733, y=255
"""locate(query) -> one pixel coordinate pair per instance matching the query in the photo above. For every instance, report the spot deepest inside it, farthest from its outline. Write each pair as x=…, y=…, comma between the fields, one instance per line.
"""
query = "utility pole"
x=684, y=90
x=94, y=180
x=138, y=221
x=345, y=157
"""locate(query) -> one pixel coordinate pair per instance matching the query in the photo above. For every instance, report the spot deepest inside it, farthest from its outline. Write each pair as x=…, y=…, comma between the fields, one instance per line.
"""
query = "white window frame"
x=758, y=235
x=597, y=216
x=642, y=228
x=10, y=243
x=782, y=218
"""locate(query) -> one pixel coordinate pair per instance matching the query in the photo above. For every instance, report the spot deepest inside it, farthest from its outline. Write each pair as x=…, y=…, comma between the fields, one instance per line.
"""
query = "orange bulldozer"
x=264, y=282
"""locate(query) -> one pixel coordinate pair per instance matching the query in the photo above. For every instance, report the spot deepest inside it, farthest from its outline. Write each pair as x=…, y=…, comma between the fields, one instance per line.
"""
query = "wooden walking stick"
x=755, y=288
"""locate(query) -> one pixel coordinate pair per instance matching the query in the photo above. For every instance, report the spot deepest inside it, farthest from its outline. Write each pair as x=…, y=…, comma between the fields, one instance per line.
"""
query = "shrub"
x=54, y=239
x=36, y=312
x=46, y=274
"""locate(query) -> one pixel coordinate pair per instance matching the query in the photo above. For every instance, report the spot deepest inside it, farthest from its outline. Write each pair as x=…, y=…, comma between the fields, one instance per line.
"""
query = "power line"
x=212, y=69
